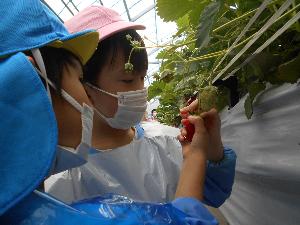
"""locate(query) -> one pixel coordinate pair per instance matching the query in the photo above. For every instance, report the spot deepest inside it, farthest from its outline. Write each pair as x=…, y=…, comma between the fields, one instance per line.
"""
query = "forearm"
x=192, y=176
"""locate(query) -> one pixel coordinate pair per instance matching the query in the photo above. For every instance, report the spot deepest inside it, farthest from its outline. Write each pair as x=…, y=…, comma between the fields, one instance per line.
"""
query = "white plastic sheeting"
x=147, y=169
x=267, y=184
x=156, y=129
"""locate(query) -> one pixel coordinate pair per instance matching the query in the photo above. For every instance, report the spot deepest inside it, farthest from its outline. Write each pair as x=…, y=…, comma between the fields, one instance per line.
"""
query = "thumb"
x=211, y=112
x=190, y=108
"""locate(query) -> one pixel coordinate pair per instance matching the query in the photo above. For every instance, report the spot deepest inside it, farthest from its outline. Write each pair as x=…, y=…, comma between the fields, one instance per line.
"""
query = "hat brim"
x=113, y=28
x=82, y=44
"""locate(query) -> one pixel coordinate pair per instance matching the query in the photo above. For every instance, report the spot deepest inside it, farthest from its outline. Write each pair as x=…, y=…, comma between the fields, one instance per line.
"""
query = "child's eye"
x=127, y=81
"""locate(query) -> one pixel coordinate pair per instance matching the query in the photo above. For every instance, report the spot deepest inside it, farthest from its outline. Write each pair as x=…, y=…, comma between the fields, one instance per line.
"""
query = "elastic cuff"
x=229, y=156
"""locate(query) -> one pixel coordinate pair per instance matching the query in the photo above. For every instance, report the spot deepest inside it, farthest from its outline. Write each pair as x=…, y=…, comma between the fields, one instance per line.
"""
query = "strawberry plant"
x=206, y=30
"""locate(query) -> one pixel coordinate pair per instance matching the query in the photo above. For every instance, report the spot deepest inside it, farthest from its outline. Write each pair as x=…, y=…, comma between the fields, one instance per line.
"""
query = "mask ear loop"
x=98, y=89
x=40, y=62
x=98, y=113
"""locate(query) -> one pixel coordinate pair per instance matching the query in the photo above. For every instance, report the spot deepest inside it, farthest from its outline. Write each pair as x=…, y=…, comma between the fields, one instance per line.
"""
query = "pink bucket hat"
x=106, y=21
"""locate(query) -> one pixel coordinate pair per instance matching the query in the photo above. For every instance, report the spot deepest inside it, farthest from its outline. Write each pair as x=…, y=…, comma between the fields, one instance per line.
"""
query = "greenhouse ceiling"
x=140, y=11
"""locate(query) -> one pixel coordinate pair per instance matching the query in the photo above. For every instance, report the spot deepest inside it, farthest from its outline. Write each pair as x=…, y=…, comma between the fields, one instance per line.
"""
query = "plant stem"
x=234, y=20
x=218, y=53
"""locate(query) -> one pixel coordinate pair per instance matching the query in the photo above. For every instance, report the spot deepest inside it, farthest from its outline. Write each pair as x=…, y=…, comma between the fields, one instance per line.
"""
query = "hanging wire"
x=289, y=23
x=271, y=21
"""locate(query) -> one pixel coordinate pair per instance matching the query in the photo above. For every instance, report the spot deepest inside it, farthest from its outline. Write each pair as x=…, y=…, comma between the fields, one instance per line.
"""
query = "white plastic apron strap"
x=270, y=22
x=40, y=62
x=87, y=124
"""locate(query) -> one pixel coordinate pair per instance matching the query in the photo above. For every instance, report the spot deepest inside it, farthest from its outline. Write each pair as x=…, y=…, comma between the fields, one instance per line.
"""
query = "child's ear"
x=31, y=59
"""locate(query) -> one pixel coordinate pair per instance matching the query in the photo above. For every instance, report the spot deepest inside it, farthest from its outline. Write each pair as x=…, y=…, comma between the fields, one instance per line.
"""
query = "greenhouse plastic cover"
x=267, y=184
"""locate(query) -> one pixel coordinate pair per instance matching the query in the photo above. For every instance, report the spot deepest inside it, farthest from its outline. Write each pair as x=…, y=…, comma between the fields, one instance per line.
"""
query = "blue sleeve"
x=139, y=130
x=196, y=212
x=219, y=179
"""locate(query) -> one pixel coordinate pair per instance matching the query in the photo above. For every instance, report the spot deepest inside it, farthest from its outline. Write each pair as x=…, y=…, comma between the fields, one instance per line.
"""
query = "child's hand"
x=212, y=124
x=200, y=140
x=192, y=175
x=190, y=108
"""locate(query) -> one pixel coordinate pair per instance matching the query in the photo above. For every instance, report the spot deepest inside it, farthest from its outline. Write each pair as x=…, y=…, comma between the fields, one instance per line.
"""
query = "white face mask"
x=65, y=158
x=131, y=108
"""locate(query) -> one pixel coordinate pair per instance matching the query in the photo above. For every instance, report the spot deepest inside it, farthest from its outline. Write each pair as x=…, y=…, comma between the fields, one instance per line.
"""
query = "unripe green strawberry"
x=208, y=98
x=128, y=67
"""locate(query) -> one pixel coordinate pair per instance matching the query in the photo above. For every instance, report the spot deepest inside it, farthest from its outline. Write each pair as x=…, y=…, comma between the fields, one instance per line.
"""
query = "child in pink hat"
x=144, y=168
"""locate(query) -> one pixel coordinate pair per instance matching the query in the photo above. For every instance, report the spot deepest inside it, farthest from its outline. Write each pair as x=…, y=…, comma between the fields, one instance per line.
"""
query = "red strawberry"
x=184, y=115
x=190, y=129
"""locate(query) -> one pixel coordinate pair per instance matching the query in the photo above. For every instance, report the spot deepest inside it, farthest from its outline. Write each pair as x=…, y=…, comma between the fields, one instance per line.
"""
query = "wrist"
x=195, y=154
x=218, y=154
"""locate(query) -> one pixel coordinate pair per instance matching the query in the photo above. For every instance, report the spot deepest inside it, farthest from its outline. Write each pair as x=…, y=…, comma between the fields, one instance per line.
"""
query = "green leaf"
x=161, y=55
x=171, y=10
x=167, y=75
x=207, y=20
x=248, y=107
x=257, y=71
x=182, y=23
x=155, y=89
x=290, y=71
x=264, y=63
x=254, y=89
x=185, y=83
x=196, y=12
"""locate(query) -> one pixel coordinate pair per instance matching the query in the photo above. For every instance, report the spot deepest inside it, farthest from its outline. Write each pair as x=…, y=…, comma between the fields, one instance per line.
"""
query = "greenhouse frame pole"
x=127, y=11
x=143, y=12
x=66, y=6
x=74, y=5
x=45, y=3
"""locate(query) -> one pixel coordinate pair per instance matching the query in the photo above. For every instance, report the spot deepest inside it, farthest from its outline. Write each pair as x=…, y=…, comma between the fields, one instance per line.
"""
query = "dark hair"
x=55, y=60
x=109, y=48
x=153, y=111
